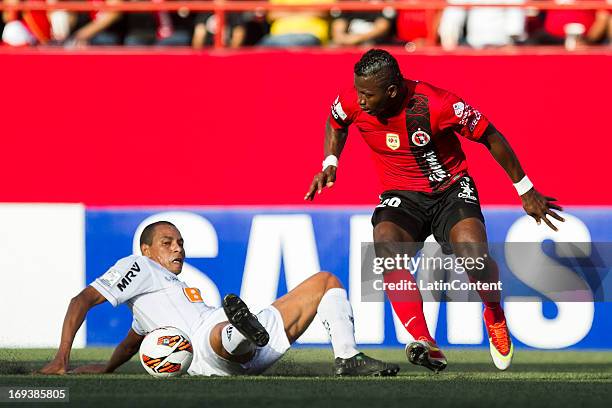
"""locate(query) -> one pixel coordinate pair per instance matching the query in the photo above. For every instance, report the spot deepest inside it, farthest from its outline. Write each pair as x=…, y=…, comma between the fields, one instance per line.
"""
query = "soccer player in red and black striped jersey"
x=413, y=128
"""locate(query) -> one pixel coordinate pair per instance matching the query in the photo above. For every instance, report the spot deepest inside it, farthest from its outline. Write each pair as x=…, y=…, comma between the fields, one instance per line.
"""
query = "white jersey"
x=155, y=295
x=158, y=298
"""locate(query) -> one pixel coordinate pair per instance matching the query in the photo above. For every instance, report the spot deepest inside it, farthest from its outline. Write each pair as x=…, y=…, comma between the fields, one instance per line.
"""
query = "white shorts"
x=207, y=362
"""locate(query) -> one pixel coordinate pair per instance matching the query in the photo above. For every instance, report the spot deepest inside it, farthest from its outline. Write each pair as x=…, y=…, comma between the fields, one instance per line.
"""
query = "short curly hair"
x=146, y=238
x=379, y=63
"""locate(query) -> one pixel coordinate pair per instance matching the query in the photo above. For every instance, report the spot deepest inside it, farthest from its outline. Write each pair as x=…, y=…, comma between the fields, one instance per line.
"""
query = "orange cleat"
x=500, y=344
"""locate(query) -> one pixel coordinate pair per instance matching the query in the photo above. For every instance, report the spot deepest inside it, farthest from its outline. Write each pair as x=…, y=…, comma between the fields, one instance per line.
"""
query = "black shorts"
x=423, y=214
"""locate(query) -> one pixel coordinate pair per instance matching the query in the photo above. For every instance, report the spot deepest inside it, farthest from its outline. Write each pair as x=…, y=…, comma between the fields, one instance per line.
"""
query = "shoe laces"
x=499, y=336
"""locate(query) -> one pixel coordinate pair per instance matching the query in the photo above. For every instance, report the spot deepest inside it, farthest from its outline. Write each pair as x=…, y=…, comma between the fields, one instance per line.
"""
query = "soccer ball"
x=166, y=352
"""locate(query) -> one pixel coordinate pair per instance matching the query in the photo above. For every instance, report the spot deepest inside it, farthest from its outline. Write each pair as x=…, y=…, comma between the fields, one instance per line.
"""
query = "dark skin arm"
x=77, y=310
x=535, y=204
x=123, y=353
x=334, y=143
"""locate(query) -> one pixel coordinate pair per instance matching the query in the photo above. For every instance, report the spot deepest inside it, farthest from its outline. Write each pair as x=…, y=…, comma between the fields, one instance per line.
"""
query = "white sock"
x=337, y=316
x=234, y=342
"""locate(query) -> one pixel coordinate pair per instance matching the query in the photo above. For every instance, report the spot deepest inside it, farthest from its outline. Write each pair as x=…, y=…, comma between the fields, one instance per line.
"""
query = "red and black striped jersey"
x=418, y=149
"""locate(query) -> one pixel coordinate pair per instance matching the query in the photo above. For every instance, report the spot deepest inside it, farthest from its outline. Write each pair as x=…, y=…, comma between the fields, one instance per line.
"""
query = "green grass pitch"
x=303, y=378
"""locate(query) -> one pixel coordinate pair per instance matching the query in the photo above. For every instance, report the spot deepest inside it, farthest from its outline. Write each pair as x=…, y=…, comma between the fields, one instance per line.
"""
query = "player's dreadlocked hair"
x=147, y=234
x=381, y=64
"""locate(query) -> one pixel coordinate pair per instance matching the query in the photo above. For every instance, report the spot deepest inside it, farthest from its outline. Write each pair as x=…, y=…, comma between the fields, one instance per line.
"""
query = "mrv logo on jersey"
x=127, y=279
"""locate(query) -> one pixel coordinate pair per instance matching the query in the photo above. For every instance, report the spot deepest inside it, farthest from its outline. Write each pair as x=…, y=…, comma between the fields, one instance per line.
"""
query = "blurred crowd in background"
x=478, y=27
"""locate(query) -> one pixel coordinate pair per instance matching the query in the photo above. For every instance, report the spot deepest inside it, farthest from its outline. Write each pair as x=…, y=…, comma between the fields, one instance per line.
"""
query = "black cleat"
x=239, y=315
x=426, y=354
x=362, y=365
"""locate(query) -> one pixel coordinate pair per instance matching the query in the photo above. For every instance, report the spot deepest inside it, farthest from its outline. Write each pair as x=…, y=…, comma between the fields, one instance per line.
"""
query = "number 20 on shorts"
x=390, y=202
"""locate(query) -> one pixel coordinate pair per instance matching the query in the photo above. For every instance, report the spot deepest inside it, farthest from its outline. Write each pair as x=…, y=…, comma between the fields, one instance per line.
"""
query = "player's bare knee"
x=215, y=333
x=214, y=339
x=477, y=260
x=470, y=250
x=470, y=245
x=326, y=280
x=330, y=280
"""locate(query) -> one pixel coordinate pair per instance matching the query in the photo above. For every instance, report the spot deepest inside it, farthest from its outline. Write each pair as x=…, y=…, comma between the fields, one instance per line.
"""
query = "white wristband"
x=330, y=160
x=523, y=186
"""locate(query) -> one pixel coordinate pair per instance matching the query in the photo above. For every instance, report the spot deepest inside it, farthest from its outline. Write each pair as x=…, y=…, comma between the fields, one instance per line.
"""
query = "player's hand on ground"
x=54, y=367
x=539, y=206
x=89, y=369
x=325, y=178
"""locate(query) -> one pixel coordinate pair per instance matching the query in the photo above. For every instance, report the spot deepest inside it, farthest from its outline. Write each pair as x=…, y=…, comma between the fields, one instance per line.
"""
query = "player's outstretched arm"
x=334, y=143
x=77, y=310
x=535, y=204
x=123, y=353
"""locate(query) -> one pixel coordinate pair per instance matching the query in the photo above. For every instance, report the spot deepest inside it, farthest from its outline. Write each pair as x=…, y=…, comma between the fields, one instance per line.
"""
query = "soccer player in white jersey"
x=226, y=341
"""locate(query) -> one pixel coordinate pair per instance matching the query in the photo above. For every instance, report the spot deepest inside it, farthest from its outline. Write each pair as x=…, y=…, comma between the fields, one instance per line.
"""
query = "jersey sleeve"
x=463, y=118
x=343, y=110
x=128, y=278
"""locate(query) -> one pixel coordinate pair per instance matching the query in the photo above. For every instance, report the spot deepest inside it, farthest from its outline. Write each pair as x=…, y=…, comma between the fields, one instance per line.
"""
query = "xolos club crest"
x=393, y=141
x=420, y=138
